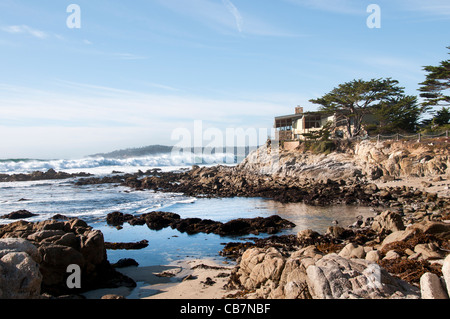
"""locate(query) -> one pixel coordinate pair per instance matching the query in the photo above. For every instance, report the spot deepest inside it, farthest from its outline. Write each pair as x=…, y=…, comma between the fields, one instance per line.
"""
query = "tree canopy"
x=436, y=88
x=399, y=114
x=353, y=100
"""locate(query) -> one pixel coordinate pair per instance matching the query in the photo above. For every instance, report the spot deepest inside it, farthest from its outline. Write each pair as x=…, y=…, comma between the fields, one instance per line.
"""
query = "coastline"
x=410, y=224
x=183, y=279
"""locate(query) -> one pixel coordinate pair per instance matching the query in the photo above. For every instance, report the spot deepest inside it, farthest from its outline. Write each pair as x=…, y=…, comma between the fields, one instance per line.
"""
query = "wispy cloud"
x=433, y=7
x=162, y=86
x=235, y=12
x=105, y=106
x=335, y=6
x=24, y=29
x=217, y=16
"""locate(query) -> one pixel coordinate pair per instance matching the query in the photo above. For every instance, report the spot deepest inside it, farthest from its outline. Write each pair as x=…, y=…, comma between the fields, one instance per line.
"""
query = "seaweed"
x=409, y=270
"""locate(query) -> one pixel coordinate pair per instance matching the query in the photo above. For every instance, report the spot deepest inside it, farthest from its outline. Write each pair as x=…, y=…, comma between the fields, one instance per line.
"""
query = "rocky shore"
x=191, y=226
x=34, y=259
x=51, y=174
x=402, y=252
x=382, y=258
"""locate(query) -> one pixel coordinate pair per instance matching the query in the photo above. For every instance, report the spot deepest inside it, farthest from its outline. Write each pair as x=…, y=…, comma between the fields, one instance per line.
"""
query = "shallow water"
x=168, y=245
x=93, y=202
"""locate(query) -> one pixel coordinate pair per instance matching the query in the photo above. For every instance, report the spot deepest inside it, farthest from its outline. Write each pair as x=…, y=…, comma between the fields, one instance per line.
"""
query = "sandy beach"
x=439, y=185
x=183, y=279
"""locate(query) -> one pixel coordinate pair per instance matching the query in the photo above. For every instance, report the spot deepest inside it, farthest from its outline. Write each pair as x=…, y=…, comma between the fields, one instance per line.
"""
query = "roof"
x=300, y=115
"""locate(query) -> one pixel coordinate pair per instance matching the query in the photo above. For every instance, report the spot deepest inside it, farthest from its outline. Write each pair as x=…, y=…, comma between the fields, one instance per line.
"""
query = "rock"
x=243, y=226
x=259, y=266
x=21, y=214
x=438, y=229
x=431, y=288
x=338, y=232
x=388, y=221
x=125, y=262
x=391, y=254
x=446, y=272
x=307, y=274
x=111, y=296
x=10, y=245
x=127, y=246
x=20, y=277
x=353, y=251
x=55, y=260
x=57, y=244
x=429, y=251
x=373, y=256
x=307, y=235
x=93, y=247
x=334, y=277
x=44, y=234
x=115, y=219
x=401, y=235
x=160, y=220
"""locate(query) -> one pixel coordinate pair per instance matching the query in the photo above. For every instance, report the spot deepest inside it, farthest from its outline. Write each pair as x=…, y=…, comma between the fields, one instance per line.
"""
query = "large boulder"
x=55, y=245
x=20, y=214
x=308, y=274
x=446, y=273
x=259, y=265
x=15, y=245
x=389, y=222
x=20, y=277
x=431, y=287
x=335, y=277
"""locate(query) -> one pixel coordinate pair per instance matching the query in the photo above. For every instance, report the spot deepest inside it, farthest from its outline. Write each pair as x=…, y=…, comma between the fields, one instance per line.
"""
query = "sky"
x=117, y=74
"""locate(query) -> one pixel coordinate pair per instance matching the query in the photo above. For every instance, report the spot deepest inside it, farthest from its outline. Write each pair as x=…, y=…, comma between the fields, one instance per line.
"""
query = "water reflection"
x=304, y=216
x=318, y=218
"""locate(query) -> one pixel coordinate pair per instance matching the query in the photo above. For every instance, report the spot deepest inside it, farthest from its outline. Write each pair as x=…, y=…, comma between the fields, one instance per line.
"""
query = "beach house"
x=292, y=127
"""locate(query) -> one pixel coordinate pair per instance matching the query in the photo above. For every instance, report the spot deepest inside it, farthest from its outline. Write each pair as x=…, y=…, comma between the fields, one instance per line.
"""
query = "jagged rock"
x=429, y=251
x=308, y=274
x=388, y=221
x=58, y=244
x=438, y=229
x=260, y=265
x=334, y=277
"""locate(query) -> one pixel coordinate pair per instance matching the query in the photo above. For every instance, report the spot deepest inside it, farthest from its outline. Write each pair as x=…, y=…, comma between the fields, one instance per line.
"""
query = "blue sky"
x=136, y=70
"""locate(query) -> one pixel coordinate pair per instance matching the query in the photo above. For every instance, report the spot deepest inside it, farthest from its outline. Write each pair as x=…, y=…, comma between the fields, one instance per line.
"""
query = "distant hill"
x=163, y=149
x=136, y=152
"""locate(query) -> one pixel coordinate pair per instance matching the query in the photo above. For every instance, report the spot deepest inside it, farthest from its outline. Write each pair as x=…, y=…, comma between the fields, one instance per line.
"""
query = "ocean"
x=93, y=202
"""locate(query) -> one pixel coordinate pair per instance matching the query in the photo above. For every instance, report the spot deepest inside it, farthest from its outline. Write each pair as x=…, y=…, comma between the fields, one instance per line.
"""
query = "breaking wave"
x=161, y=160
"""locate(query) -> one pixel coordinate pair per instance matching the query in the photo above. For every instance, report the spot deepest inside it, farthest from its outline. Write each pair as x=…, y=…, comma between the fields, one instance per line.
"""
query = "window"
x=313, y=121
x=284, y=125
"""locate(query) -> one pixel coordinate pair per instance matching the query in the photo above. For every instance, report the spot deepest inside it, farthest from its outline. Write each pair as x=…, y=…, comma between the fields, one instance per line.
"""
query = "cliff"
x=365, y=160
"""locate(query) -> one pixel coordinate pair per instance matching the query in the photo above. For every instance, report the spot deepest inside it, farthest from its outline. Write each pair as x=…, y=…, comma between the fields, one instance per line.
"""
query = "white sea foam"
x=89, y=164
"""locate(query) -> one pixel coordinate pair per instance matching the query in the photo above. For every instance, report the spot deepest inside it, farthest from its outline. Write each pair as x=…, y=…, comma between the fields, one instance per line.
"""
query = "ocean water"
x=93, y=202
x=102, y=165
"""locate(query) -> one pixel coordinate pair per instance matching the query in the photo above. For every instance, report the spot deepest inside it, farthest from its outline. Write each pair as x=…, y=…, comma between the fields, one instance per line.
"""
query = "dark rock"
x=117, y=218
x=20, y=214
x=61, y=244
x=127, y=246
x=125, y=262
x=36, y=176
x=160, y=220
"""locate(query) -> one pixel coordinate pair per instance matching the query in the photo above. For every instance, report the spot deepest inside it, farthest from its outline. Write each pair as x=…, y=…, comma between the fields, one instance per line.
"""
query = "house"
x=292, y=127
